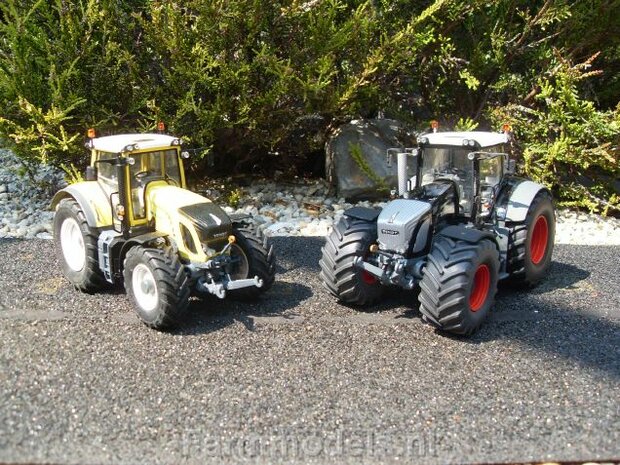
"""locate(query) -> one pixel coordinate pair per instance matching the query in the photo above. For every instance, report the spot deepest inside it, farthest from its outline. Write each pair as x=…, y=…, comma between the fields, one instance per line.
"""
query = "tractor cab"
x=127, y=165
x=473, y=163
x=134, y=221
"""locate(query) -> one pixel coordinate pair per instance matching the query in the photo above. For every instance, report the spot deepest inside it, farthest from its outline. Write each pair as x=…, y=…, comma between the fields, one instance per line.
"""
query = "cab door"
x=108, y=181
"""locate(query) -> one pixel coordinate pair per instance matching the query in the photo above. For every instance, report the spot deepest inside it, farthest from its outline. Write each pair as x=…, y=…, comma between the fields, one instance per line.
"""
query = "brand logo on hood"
x=216, y=218
x=390, y=232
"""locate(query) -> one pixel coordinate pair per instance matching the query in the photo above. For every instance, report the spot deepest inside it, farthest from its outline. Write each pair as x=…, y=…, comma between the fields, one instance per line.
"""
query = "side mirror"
x=412, y=152
x=91, y=173
x=511, y=167
x=390, y=155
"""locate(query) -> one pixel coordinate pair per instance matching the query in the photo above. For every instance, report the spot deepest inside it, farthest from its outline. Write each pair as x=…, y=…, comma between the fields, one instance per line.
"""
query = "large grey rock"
x=369, y=139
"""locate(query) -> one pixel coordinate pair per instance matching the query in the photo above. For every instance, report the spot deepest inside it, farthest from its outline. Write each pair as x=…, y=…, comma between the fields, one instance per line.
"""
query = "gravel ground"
x=296, y=377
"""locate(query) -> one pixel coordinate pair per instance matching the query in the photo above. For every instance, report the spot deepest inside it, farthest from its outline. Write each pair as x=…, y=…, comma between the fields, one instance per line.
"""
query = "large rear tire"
x=459, y=284
x=349, y=239
x=76, y=246
x=531, y=243
x=256, y=257
x=158, y=286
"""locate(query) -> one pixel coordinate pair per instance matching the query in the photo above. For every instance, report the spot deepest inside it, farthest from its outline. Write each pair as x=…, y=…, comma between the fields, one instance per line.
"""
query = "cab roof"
x=117, y=143
x=456, y=138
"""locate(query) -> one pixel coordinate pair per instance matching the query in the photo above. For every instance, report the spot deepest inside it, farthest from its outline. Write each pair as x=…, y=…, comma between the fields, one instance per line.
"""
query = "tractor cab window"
x=106, y=172
x=491, y=170
x=107, y=176
x=151, y=166
x=450, y=163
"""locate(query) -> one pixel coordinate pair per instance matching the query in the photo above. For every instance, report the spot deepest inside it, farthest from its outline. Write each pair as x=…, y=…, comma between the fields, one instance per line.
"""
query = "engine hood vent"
x=397, y=223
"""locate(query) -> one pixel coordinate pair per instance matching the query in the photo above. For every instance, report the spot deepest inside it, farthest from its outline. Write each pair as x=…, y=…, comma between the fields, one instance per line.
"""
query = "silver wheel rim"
x=242, y=269
x=72, y=244
x=144, y=288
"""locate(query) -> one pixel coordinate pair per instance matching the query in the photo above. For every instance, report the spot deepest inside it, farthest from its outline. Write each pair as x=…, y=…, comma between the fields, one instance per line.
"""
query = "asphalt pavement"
x=297, y=377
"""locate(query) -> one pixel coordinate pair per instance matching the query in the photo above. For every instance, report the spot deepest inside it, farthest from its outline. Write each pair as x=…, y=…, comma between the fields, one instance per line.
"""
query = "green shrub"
x=262, y=83
x=567, y=144
x=64, y=66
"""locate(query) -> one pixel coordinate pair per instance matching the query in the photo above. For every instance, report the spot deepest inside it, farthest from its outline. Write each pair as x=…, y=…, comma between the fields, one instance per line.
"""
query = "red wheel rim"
x=368, y=278
x=538, y=241
x=480, y=289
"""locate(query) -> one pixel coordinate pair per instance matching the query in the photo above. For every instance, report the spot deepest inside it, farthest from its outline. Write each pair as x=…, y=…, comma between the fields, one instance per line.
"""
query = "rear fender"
x=92, y=201
x=515, y=197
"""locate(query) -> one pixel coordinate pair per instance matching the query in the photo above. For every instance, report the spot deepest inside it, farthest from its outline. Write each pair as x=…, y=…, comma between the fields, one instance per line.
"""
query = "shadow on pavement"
x=573, y=314
x=560, y=316
x=208, y=313
x=561, y=276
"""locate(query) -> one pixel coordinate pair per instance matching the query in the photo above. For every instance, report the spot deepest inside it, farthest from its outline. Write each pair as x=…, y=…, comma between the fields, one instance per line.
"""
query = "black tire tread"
x=517, y=239
x=262, y=260
x=348, y=240
x=92, y=279
x=444, y=288
x=172, y=283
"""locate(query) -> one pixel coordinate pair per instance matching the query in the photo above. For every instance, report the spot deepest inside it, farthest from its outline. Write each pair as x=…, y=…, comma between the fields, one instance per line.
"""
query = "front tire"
x=459, y=284
x=349, y=239
x=158, y=286
x=256, y=257
x=531, y=243
x=76, y=246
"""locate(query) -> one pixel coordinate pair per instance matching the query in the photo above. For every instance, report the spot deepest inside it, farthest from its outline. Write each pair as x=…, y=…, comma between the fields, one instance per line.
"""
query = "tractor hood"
x=398, y=222
x=173, y=205
x=211, y=222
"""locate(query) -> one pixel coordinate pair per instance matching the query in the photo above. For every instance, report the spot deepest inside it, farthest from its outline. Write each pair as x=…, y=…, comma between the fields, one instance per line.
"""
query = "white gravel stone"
x=572, y=227
x=24, y=204
x=291, y=209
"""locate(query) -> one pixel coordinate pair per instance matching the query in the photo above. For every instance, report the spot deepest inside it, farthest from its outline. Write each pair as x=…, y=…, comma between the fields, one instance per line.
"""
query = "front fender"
x=473, y=236
x=92, y=201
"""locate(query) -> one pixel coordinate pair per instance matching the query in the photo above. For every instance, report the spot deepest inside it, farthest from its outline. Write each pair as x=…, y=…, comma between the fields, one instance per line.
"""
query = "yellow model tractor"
x=134, y=221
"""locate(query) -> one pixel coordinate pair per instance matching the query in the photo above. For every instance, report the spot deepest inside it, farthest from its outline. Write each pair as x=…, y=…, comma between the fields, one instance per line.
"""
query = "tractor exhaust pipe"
x=401, y=164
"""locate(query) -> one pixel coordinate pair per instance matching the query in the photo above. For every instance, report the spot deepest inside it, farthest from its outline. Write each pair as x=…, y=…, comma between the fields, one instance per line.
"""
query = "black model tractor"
x=459, y=223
